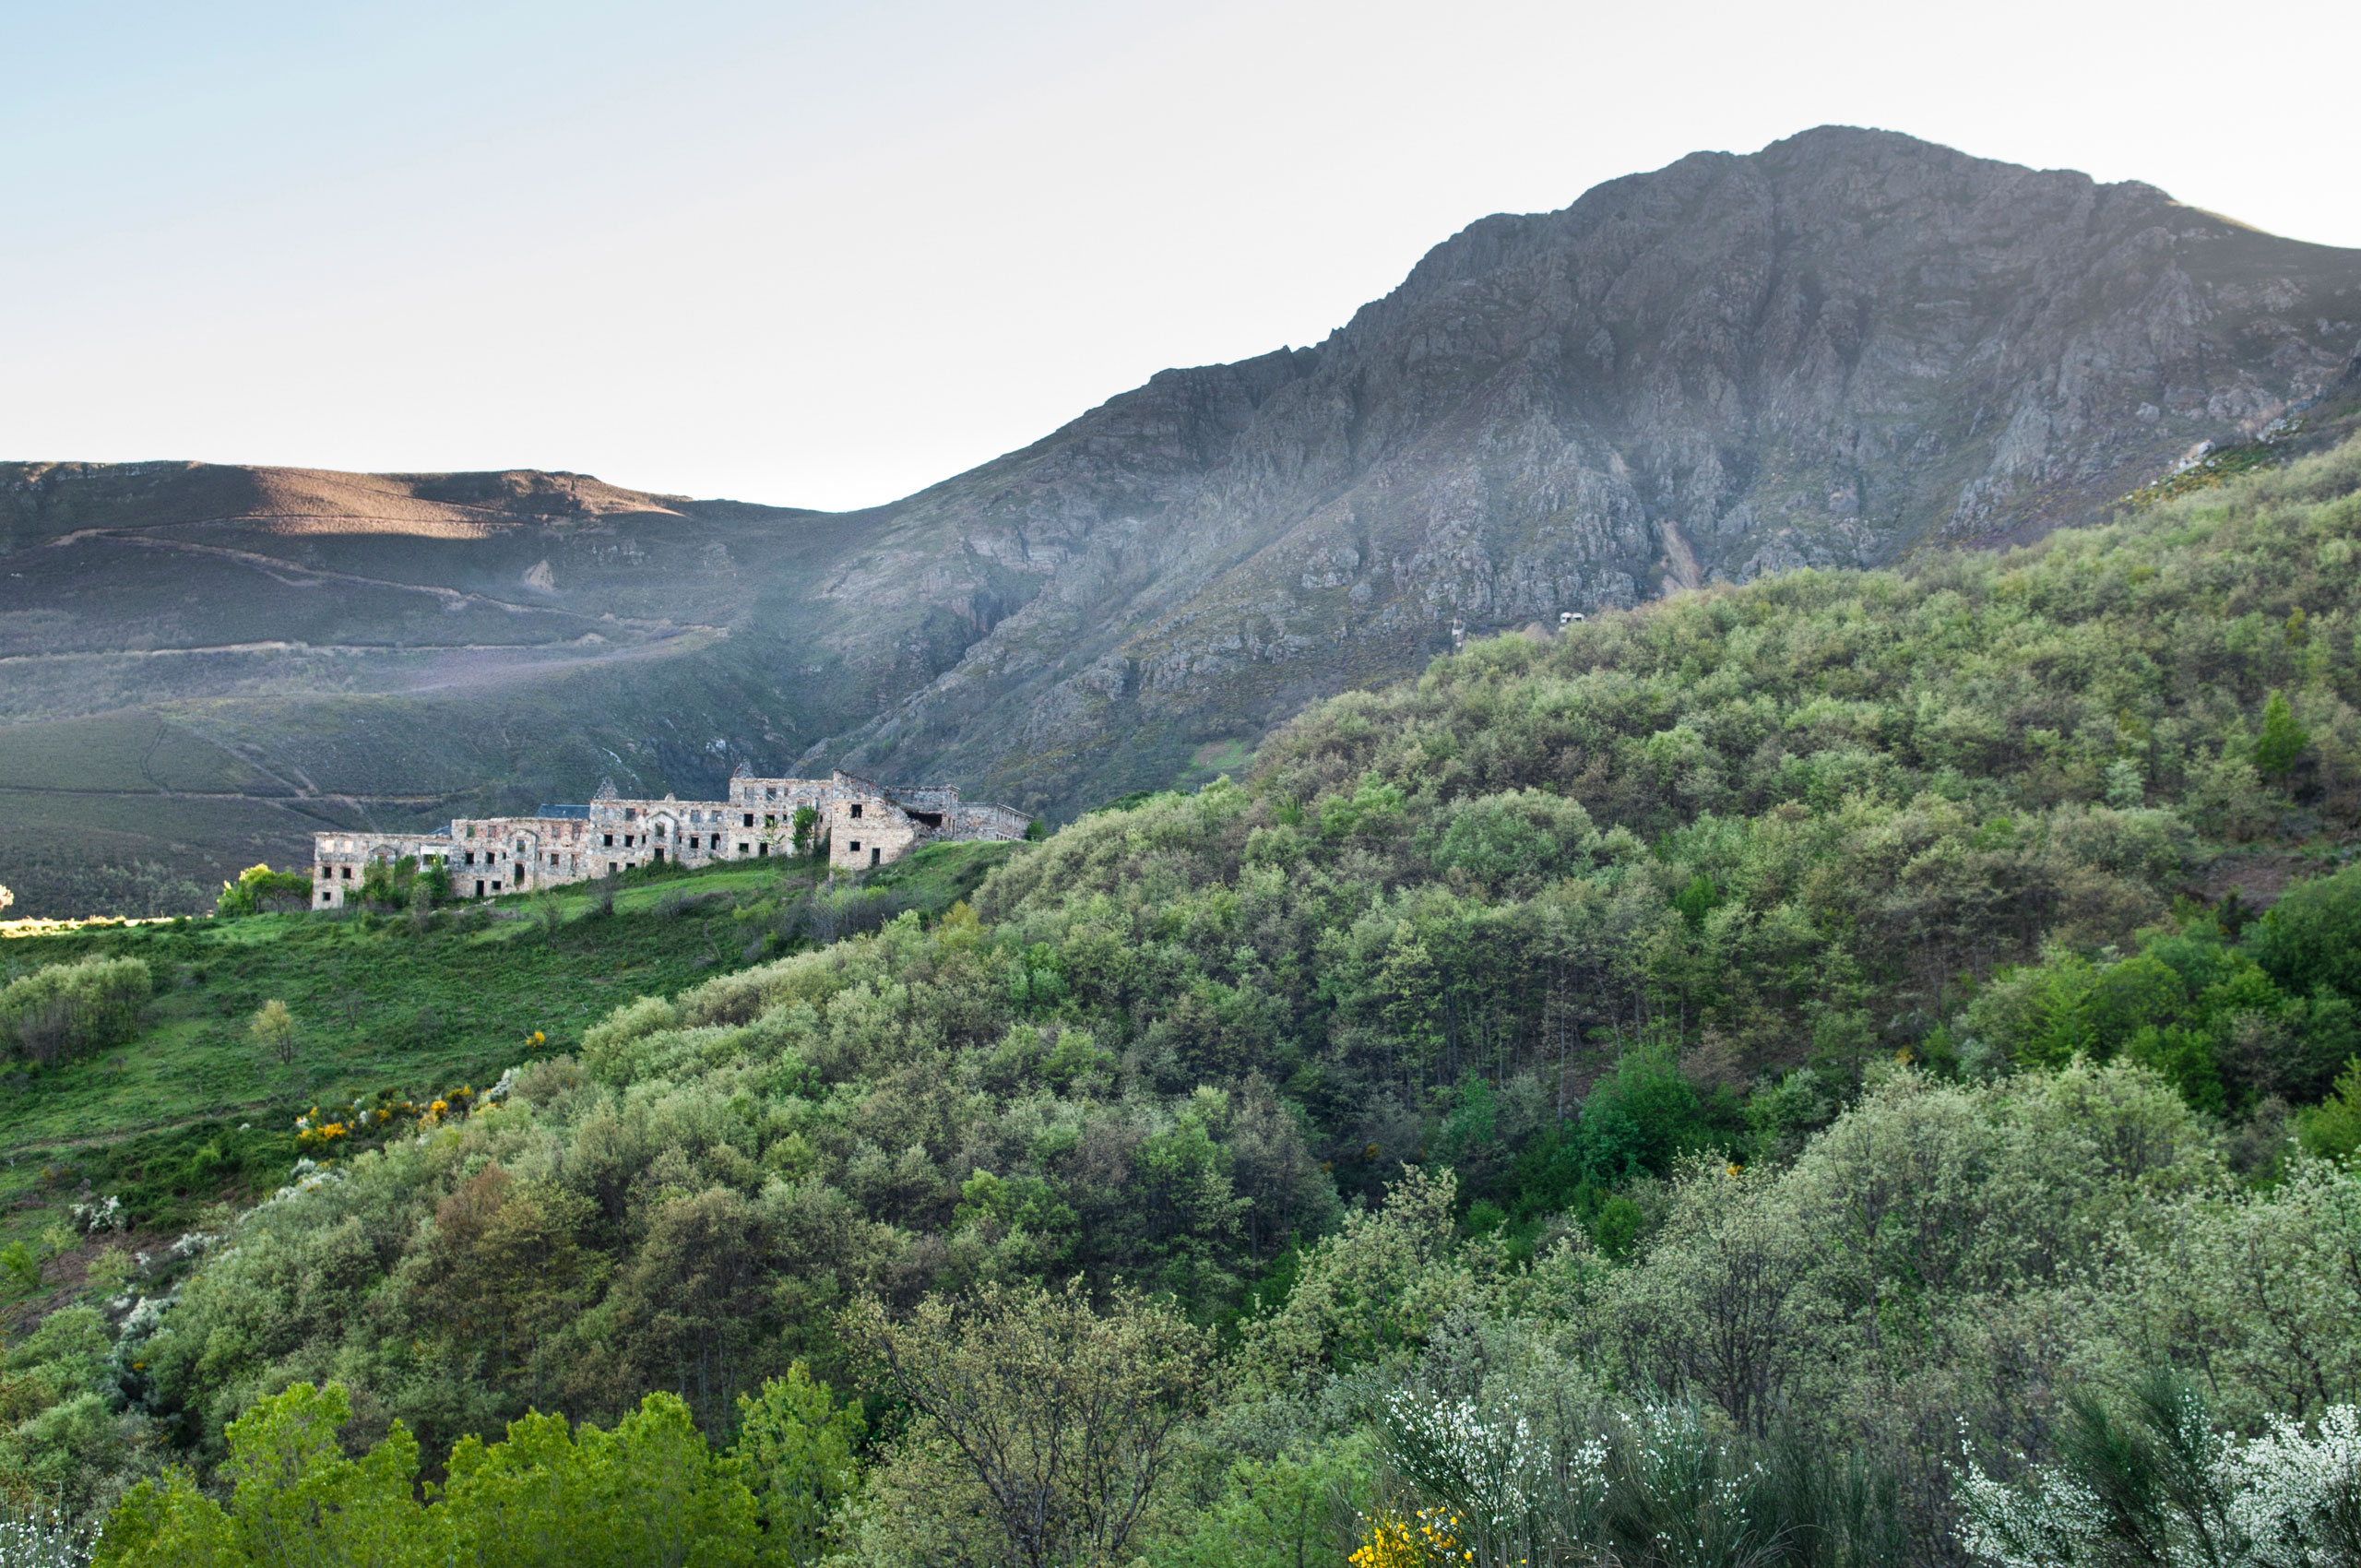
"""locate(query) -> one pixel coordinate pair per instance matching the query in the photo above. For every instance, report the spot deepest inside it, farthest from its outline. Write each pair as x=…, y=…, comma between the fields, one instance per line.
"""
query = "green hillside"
x=1774, y=1036
x=389, y=1007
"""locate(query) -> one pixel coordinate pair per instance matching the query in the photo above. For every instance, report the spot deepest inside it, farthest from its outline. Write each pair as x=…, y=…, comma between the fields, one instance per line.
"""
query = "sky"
x=825, y=255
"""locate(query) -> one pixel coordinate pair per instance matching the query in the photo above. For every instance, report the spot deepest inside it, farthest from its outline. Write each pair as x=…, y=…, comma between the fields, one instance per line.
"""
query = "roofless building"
x=863, y=823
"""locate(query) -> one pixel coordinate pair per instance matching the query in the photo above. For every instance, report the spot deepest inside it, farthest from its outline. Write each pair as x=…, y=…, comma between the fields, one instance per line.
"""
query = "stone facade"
x=863, y=823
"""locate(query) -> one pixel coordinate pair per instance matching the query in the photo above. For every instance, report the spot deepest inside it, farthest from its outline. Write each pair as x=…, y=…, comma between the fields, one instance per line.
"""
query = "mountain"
x=1825, y=354
x=1829, y=353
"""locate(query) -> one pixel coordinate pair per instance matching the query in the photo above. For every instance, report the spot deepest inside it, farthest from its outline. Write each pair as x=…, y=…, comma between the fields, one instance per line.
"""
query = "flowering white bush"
x=1484, y=1470
x=2058, y=1520
x=1509, y=1495
x=1701, y=1491
x=2188, y=1497
x=38, y=1540
x=100, y=1213
x=2298, y=1499
x=1660, y=1485
x=191, y=1242
x=146, y=1313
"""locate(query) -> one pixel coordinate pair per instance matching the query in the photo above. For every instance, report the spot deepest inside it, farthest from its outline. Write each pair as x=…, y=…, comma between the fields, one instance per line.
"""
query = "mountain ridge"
x=1834, y=350
x=1658, y=494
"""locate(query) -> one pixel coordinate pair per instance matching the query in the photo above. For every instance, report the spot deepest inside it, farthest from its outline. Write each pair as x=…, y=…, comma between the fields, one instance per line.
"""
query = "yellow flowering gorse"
x=1427, y=1538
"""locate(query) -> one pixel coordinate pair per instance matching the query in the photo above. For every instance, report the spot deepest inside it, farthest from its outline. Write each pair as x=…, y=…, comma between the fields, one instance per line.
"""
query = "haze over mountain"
x=1829, y=353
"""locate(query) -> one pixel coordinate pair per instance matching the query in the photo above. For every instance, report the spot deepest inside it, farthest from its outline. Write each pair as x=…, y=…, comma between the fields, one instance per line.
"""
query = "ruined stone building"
x=863, y=824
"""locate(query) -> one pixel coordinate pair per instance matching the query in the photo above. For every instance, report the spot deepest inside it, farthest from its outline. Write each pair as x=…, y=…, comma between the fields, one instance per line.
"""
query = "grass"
x=74, y=855
x=1216, y=757
x=124, y=752
x=191, y=1114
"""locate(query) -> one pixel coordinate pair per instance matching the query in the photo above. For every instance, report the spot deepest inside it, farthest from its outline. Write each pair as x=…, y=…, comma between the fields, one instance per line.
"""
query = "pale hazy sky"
x=827, y=254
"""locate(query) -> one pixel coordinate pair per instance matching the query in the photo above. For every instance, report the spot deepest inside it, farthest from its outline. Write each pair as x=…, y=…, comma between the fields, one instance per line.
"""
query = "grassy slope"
x=429, y=679
x=190, y=1114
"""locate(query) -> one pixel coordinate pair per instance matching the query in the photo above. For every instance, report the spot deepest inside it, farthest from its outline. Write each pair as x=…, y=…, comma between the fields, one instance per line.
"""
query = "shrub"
x=259, y=888
x=2333, y=1129
x=66, y=1010
x=2312, y=936
x=2165, y=1487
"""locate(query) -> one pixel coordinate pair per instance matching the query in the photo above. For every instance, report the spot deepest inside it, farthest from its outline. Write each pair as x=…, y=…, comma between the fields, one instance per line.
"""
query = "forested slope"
x=1901, y=893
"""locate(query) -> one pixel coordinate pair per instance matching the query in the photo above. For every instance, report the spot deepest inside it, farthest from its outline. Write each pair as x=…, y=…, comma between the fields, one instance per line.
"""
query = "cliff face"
x=1824, y=353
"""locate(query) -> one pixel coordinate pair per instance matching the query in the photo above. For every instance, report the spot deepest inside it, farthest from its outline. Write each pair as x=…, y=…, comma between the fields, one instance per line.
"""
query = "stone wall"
x=496, y=855
x=628, y=833
x=869, y=831
x=340, y=859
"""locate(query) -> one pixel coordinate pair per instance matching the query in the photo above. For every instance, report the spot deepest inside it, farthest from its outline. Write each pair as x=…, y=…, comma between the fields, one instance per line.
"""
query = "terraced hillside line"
x=261, y=1105
x=272, y=566
x=161, y=793
x=224, y=649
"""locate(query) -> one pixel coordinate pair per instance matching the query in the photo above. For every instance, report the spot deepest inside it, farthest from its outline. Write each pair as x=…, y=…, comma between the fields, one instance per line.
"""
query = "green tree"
x=1046, y=1430
x=62, y=1011
x=648, y=1494
x=1290, y=1510
x=503, y=1270
x=296, y=1500
x=273, y=1031
x=1721, y=1304
x=2282, y=743
x=2311, y=938
x=2333, y=1129
x=795, y=1451
x=259, y=888
x=1379, y=1285
x=170, y=1523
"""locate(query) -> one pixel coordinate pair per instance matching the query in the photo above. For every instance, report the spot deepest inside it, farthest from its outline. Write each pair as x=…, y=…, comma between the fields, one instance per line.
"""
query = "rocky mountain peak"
x=1826, y=352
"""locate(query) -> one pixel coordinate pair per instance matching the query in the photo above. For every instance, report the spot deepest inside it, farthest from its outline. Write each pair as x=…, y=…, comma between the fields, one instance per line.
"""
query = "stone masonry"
x=863, y=824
